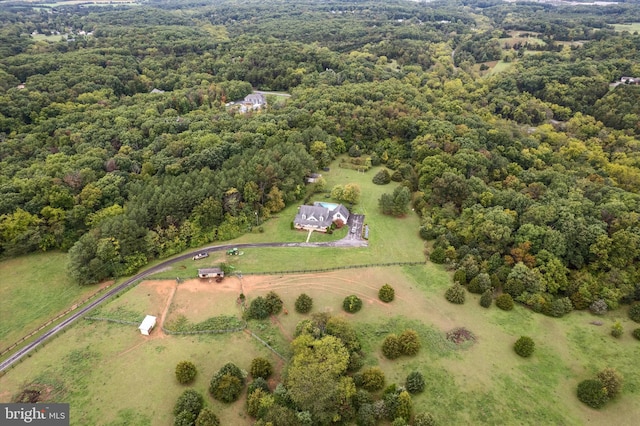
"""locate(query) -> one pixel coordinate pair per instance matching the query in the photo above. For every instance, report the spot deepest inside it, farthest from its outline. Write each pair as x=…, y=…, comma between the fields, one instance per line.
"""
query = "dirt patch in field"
x=33, y=393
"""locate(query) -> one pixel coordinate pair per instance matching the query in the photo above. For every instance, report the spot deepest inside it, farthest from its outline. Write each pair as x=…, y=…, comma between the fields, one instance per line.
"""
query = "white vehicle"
x=200, y=255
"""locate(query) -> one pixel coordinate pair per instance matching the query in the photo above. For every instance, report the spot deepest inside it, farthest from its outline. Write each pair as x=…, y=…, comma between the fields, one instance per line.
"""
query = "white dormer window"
x=304, y=217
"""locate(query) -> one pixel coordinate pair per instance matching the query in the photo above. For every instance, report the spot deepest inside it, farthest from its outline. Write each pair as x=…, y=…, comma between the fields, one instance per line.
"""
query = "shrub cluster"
x=504, y=302
x=188, y=407
x=415, y=382
x=524, y=346
x=616, y=329
x=597, y=392
x=304, y=303
x=207, y=418
x=486, y=299
x=408, y=343
x=480, y=283
x=592, y=393
x=424, y=419
x=636, y=333
x=260, y=367
x=185, y=372
x=460, y=276
x=372, y=379
x=386, y=293
x=382, y=177
x=598, y=307
x=352, y=304
x=262, y=307
x=226, y=385
x=455, y=294
x=634, y=312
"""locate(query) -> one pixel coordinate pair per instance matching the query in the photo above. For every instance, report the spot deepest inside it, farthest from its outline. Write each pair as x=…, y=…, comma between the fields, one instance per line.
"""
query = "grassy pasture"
x=33, y=289
x=500, y=66
x=52, y=38
x=510, y=41
x=632, y=27
x=97, y=366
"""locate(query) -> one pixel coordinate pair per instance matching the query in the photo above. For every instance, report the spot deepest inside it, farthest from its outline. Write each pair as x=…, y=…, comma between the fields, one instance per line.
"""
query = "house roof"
x=209, y=271
x=255, y=98
x=342, y=210
x=148, y=322
x=310, y=215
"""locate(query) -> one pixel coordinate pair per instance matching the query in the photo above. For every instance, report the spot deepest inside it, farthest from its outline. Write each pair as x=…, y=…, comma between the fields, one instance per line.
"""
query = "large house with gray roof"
x=320, y=216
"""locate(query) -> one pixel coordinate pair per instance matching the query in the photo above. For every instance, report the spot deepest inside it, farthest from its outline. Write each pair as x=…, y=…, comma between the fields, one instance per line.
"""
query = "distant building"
x=210, y=273
x=252, y=102
x=157, y=91
x=147, y=325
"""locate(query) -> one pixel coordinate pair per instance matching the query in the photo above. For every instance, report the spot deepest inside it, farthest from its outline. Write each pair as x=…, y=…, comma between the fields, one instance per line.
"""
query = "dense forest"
x=528, y=177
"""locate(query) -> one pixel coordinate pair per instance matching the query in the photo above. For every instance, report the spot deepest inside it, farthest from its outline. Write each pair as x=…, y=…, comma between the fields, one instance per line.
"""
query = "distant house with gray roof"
x=320, y=216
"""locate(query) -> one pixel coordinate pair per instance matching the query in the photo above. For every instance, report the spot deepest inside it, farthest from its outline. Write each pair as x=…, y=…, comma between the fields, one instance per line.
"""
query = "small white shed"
x=147, y=324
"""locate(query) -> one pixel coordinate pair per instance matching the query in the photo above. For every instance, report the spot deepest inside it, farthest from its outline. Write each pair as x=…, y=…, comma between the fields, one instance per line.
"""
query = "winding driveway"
x=153, y=270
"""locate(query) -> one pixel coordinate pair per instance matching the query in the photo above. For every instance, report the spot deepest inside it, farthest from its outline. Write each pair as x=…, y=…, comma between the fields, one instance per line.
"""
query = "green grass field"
x=33, y=289
x=632, y=27
x=98, y=366
x=500, y=67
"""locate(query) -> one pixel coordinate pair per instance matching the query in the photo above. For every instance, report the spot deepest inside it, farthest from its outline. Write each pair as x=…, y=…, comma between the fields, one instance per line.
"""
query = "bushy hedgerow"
x=274, y=302
x=486, y=299
x=634, y=312
x=226, y=385
x=207, y=418
x=372, y=379
x=190, y=401
x=455, y=294
x=185, y=372
x=409, y=342
x=352, y=304
x=592, y=392
x=598, y=307
x=386, y=293
x=304, y=303
x=460, y=276
x=391, y=347
x=504, y=302
x=415, y=382
x=261, y=367
x=524, y=346
x=382, y=177
x=636, y=333
x=617, y=330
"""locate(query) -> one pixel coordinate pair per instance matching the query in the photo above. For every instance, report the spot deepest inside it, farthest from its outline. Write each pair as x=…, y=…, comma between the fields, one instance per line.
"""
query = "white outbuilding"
x=147, y=324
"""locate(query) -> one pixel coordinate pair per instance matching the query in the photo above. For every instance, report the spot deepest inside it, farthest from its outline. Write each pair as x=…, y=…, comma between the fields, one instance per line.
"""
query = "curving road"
x=15, y=357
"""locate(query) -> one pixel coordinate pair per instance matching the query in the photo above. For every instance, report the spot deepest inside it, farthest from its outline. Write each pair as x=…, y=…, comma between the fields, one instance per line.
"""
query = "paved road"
x=155, y=269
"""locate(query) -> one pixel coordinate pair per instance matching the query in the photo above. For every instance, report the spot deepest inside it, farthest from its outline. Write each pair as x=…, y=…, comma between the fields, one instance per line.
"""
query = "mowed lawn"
x=98, y=366
x=33, y=289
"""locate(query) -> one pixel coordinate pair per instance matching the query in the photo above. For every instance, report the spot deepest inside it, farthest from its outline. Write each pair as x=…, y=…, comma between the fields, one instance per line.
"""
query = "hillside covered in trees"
x=528, y=177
